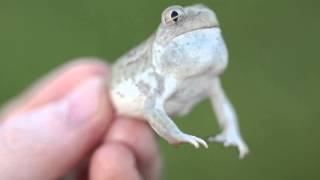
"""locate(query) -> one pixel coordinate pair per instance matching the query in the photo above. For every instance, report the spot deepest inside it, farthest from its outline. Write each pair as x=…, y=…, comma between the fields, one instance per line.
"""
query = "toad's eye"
x=172, y=15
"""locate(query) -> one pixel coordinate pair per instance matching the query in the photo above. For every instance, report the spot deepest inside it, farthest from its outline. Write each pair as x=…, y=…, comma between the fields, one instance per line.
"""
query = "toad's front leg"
x=227, y=119
x=158, y=119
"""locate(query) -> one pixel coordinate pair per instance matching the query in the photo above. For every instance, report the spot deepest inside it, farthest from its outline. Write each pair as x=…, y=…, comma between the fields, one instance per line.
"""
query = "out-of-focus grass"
x=272, y=79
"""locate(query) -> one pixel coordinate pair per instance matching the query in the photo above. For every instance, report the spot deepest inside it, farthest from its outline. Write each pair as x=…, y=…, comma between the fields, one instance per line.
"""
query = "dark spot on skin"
x=121, y=95
x=143, y=87
x=160, y=82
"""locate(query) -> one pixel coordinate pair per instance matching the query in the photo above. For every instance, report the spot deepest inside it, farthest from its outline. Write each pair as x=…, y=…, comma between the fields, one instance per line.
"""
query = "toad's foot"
x=231, y=139
x=186, y=138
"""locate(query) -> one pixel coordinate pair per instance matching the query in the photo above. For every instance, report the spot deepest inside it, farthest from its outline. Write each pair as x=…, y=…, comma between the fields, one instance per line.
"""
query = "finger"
x=57, y=84
x=46, y=142
x=114, y=161
x=139, y=137
x=81, y=170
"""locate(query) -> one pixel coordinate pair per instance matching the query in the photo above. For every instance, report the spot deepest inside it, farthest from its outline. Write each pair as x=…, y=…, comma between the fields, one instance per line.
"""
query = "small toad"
x=174, y=69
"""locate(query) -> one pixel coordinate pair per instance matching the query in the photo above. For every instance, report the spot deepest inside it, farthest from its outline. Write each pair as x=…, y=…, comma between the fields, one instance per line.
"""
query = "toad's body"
x=174, y=69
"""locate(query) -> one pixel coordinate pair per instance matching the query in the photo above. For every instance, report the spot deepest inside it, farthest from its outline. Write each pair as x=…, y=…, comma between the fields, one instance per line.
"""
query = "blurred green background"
x=272, y=79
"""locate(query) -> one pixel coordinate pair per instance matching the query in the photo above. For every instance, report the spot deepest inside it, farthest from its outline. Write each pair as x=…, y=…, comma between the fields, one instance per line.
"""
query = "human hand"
x=67, y=117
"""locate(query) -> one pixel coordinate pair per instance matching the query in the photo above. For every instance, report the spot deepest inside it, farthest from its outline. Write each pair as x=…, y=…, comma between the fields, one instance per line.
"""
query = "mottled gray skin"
x=174, y=69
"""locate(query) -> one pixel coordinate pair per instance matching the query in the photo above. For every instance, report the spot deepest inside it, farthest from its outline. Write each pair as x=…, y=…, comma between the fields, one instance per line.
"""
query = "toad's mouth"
x=198, y=31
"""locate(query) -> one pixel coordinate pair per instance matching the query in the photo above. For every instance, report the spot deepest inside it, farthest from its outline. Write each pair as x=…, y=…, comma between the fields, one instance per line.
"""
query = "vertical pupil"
x=174, y=16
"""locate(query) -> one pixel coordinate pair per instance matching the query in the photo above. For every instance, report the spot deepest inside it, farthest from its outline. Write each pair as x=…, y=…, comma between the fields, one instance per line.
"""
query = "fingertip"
x=138, y=135
x=113, y=161
x=84, y=65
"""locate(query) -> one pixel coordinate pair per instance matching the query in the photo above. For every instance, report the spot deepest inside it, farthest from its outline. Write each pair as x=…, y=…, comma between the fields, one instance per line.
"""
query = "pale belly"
x=127, y=99
x=188, y=94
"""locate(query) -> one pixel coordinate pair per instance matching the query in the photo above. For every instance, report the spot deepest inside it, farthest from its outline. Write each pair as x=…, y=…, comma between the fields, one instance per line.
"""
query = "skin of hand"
x=67, y=117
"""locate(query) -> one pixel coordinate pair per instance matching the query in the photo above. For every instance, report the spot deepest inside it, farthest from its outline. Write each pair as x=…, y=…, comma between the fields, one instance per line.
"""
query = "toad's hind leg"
x=159, y=120
x=227, y=120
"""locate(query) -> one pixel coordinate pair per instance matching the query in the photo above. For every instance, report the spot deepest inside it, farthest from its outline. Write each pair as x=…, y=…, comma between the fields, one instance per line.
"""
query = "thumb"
x=49, y=141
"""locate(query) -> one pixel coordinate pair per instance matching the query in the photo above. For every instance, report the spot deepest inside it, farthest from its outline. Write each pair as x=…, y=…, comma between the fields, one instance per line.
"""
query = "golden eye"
x=172, y=15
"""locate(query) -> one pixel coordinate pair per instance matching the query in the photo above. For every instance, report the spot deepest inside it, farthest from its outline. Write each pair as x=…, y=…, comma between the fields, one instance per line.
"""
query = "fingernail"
x=84, y=102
